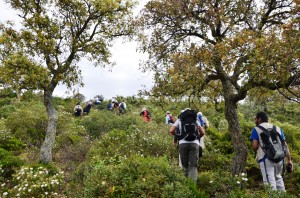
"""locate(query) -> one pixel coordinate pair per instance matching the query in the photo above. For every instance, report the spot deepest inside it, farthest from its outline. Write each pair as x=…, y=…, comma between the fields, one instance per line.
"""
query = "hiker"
x=169, y=118
x=122, y=107
x=98, y=100
x=205, y=122
x=146, y=115
x=78, y=110
x=189, y=133
x=200, y=119
x=109, y=106
x=87, y=108
x=114, y=100
x=270, y=170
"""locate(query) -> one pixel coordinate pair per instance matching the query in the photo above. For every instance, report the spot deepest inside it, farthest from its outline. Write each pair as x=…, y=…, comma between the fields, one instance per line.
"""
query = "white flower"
x=103, y=183
x=210, y=181
x=29, y=190
x=238, y=182
x=243, y=174
x=3, y=184
x=46, y=193
x=5, y=193
x=245, y=178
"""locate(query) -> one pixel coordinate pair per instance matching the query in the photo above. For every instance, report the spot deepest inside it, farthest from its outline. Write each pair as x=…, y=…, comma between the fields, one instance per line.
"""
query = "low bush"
x=33, y=181
x=137, y=176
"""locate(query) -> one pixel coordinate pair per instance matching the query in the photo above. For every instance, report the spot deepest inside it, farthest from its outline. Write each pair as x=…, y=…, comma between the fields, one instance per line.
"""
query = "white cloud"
x=125, y=79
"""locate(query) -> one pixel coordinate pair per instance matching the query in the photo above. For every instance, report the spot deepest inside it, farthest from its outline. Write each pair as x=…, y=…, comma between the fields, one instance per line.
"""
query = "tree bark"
x=46, y=149
x=239, y=160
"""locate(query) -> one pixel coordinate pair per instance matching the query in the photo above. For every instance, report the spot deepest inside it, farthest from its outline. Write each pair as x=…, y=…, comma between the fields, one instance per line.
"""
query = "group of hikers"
x=114, y=104
x=189, y=130
x=268, y=141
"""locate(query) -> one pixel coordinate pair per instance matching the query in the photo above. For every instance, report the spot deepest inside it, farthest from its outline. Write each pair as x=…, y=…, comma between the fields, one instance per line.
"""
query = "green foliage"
x=141, y=177
x=8, y=163
x=9, y=142
x=107, y=155
x=6, y=110
x=221, y=183
x=100, y=122
x=29, y=123
x=34, y=182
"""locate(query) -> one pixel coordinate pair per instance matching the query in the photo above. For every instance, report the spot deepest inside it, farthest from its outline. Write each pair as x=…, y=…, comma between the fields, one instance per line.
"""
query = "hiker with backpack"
x=146, y=115
x=188, y=130
x=122, y=107
x=78, y=111
x=87, y=108
x=268, y=141
x=169, y=118
x=205, y=124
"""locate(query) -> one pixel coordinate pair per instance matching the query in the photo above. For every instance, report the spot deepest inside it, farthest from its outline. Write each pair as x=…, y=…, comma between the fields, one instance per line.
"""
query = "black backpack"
x=188, y=129
x=272, y=144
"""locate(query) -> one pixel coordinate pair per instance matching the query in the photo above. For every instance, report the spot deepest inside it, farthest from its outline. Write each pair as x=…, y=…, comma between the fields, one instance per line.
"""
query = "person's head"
x=261, y=117
x=168, y=112
x=199, y=113
x=144, y=109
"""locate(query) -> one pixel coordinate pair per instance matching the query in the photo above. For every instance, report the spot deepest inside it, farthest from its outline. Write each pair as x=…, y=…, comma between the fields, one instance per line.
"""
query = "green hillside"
x=105, y=154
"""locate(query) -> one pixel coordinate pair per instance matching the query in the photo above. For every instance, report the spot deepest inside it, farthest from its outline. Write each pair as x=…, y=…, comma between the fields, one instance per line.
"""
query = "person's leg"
x=193, y=161
x=184, y=157
x=278, y=177
x=180, y=164
x=267, y=170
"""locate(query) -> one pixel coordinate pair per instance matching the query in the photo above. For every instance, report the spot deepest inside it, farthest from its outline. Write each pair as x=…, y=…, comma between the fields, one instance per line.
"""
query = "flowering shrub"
x=33, y=182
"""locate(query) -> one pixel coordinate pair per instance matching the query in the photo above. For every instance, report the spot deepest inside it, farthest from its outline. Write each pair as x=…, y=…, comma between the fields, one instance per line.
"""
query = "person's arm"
x=288, y=154
x=172, y=130
x=201, y=130
x=254, y=138
x=255, y=145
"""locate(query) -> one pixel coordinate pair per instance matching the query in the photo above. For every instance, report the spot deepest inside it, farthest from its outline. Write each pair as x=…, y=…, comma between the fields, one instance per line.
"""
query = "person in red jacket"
x=146, y=115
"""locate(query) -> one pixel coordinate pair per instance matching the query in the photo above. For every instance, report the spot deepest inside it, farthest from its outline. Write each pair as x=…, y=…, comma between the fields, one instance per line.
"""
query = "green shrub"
x=98, y=122
x=138, y=177
x=10, y=143
x=145, y=140
x=8, y=163
x=34, y=182
x=221, y=183
x=6, y=110
x=29, y=123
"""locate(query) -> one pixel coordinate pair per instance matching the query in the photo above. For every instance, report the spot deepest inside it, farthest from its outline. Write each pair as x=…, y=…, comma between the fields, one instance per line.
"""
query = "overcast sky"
x=125, y=78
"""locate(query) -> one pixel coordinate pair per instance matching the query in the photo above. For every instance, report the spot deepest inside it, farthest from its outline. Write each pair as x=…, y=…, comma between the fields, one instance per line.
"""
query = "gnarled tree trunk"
x=46, y=149
x=239, y=160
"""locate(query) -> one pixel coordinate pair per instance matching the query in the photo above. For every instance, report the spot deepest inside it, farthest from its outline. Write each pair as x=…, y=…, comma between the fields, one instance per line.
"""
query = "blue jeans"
x=189, y=155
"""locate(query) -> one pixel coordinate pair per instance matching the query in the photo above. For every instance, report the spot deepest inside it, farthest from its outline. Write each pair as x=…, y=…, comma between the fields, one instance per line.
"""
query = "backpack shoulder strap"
x=262, y=128
x=279, y=135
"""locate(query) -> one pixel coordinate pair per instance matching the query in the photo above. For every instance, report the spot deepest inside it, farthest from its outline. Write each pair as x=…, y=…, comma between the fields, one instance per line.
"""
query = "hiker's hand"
x=289, y=167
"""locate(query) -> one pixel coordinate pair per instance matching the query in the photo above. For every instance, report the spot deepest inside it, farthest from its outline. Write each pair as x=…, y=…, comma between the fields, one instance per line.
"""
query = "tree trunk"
x=46, y=149
x=239, y=160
